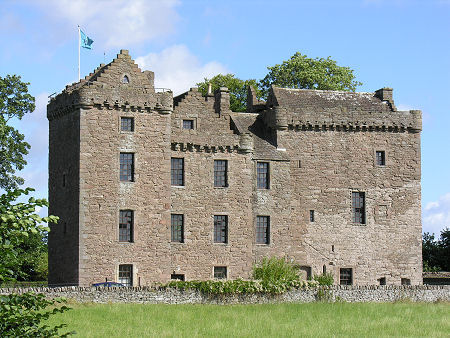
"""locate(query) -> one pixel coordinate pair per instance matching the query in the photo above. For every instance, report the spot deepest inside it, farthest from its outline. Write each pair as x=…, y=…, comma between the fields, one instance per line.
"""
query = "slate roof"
x=306, y=100
x=264, y=147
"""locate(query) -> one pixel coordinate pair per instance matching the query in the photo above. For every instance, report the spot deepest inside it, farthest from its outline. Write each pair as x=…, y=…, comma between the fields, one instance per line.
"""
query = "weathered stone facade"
x=321, y=147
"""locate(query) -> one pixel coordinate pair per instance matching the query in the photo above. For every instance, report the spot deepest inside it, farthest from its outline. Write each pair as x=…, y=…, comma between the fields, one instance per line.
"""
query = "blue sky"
x=397, y=43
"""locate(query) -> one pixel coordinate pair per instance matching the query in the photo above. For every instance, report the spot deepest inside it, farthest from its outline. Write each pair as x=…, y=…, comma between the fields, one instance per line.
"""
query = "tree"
x=436, y=253
x=302, y=72
x=14, y=103
x=20, y=315
x=236, y=86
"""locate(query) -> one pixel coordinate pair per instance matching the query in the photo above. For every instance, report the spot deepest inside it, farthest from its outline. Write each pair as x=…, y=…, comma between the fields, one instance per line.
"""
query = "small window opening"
x=125, y=79
x=346, y=276
x=381, y=158
x=220, y=272
x=188, y=124
x=406, y=281
x=177, y=276
x=306, y=272
x=382, y=281
x=299, y=163
x=332, y=248
x=64, y=180
x=324, y=269
x=65, y=228
x=311, y=216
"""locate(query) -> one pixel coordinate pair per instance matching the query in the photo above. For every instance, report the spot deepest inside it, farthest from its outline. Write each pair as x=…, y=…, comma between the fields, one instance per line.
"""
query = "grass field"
x=269, y=320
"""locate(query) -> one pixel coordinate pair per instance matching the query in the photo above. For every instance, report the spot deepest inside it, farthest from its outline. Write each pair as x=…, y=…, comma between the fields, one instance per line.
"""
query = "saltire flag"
x=86, y=41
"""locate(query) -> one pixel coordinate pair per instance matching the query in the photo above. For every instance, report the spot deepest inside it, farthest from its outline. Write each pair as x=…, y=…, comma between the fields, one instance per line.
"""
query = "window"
x=125, y=79
x=127, y=167
x=126, y=274
x=262, y=229
x=345, y=276
x=220, y=272
x=382, y=281
x=262, y=172
x=220, y=229
x=177, y=171
x=406, y=281
x=311, y=216
x=188, y=124
x=64, y=180
x=177, y=228
x=359, y=207
x=220, y=173
x=176, y=276
x=126, y=226
x=127, y=124
x=380, y=158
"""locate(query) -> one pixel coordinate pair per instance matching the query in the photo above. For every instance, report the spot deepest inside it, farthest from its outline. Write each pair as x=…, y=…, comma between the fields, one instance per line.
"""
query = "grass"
x=268, y=320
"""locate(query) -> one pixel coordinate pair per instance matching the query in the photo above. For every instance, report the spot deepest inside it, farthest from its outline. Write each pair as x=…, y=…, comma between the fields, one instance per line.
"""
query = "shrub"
x=275, y=270
x=324, y=279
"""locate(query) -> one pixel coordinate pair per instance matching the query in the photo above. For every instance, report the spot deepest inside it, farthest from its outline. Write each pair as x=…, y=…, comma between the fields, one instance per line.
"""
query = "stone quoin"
x=151, y=187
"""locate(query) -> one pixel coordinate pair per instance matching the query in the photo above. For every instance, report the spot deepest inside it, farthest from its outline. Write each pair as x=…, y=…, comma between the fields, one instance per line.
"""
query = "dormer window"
x=125, y=79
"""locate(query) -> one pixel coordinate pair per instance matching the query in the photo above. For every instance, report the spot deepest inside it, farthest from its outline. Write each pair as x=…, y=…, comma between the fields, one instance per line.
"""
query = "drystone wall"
x=352, y=294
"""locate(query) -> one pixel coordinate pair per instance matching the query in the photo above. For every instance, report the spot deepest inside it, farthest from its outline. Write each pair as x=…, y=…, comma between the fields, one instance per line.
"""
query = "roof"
x=264, y=146
x=308, y=100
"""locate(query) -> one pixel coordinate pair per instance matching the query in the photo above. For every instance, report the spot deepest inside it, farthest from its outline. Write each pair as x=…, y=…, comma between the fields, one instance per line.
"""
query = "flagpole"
x=79, y=47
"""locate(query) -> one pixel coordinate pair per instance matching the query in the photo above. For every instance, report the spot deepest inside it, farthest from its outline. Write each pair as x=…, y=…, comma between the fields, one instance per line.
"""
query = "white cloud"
x=178, y=69
x=114, y=23
x=436, y=215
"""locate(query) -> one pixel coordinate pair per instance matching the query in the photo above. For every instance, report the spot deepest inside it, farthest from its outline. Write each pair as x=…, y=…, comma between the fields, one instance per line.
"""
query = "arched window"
x=125, y=79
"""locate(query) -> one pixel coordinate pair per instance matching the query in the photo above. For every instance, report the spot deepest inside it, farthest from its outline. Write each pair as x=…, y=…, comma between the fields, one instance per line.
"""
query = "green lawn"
x=269, y=320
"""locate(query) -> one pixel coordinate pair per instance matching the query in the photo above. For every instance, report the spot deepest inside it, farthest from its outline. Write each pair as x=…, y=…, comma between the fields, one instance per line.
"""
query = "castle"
x=151, y=187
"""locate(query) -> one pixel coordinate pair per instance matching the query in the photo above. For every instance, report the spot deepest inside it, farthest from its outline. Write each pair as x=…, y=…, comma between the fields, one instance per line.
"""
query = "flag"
x=86, y=41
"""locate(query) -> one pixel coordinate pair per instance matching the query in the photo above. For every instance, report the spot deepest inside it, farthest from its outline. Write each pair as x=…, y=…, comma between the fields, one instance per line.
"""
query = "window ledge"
x=178, y=186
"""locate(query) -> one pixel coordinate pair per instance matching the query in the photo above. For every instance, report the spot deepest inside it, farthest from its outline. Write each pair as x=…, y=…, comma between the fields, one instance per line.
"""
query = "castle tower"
x=109, y=160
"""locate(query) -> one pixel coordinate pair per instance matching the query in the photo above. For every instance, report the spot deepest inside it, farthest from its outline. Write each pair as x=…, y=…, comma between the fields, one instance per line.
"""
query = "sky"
x=403, y=44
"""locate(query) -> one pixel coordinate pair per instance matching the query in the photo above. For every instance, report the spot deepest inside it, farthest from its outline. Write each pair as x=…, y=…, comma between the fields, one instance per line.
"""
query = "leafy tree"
x=436, y=253
x=236, y=86
x=20, y=315
x=14, y=103
x=307, y=73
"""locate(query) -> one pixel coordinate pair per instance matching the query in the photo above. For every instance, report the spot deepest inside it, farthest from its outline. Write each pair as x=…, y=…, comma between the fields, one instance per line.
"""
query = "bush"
x=275, y=270
x=324, y=279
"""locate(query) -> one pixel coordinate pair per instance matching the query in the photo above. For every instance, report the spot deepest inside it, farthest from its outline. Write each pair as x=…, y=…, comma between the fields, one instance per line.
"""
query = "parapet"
x=326, y=109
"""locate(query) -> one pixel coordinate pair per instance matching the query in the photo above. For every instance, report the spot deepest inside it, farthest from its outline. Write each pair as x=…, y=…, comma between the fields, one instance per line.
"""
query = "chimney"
x=222, y=101
x=385, y=94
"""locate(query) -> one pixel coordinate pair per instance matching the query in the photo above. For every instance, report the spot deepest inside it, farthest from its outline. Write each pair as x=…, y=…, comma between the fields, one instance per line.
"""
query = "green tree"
x=20, y=315
x=237, y=87
x=14, y=103
x=302, y=72
x=436, y=253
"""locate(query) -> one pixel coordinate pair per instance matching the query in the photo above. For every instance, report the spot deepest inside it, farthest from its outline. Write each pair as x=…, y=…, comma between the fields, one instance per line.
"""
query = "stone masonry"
x=320, y=150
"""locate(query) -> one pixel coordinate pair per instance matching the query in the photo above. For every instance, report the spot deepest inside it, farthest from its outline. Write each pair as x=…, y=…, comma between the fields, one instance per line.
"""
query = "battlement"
x=326, y=109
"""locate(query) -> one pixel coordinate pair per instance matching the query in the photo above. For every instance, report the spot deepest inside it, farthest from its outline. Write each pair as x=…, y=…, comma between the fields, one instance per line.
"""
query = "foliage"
x=436, y=253
x=14, y=103
x=274, y=270
x=22, y=316
x=239, y=286
x=324, y=279
x=307, y=73
x=237, y=88
x=32, y=258
x=18, y=222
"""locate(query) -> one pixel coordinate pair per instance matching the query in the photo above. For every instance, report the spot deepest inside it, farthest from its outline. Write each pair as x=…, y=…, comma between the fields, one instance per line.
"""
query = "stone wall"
x=146, y=295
